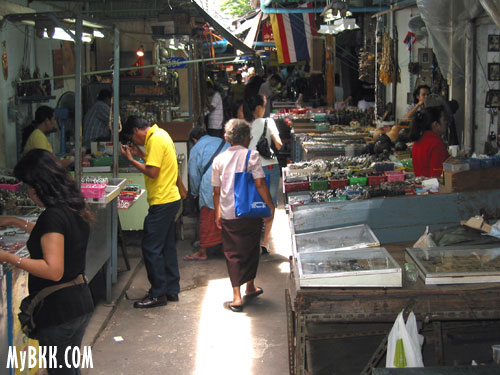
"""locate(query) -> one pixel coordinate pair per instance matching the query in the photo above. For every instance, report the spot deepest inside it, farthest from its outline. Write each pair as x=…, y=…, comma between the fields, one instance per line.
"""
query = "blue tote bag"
x=247, y=200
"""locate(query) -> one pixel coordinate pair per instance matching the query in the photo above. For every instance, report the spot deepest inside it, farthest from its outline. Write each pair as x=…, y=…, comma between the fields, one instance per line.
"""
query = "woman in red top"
x=429, y=151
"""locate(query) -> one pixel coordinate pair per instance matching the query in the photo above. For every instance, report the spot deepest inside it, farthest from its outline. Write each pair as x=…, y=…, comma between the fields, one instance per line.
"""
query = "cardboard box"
x=481, y=179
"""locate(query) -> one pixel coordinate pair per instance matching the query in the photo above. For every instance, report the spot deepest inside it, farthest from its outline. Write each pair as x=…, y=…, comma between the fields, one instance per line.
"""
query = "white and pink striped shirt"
x=224, y=166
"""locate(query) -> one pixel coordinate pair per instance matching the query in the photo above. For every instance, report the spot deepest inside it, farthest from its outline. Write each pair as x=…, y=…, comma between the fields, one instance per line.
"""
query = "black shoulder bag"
x=29, y=305
x=263, y=145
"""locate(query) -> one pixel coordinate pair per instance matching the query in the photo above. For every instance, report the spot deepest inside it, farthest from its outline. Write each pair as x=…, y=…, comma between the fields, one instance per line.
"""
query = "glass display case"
x=368, y=267
x=457, y=265
x=354, y=237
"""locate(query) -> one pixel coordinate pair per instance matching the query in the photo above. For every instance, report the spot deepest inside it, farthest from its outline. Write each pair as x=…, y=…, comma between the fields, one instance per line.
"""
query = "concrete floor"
x=195, y=335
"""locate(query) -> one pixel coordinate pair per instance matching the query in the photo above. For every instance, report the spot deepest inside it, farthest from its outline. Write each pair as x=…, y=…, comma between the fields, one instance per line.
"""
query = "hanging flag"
x=293, y=35
x=409, y=40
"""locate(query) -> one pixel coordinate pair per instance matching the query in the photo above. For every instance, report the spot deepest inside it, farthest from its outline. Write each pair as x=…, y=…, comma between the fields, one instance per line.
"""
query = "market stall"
x=348, y=284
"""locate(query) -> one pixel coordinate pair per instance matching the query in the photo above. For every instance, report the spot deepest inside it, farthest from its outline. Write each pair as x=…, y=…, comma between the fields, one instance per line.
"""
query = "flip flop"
x=233, y=308
x=264, y=250
x=258, y=292
x=190, y=258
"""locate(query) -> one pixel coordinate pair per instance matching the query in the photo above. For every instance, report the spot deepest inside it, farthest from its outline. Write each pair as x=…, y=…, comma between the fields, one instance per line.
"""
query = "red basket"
x=296, y=186
x=376, y=180
x=338, y=184
x=395, y=176
x=93, y=190
x=12, y=187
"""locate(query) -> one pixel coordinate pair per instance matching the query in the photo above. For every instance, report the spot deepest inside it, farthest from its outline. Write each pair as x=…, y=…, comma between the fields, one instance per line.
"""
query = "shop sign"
x=179, y=60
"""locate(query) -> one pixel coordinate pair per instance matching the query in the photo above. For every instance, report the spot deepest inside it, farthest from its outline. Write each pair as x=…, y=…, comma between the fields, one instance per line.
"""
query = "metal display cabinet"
x=448, y=314
x=396, y=219
x=456, y=265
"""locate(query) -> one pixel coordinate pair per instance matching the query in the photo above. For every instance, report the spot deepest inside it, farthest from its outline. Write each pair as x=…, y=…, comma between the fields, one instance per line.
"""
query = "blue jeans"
x=64, y=335
x=274, y=177
x=159, y=251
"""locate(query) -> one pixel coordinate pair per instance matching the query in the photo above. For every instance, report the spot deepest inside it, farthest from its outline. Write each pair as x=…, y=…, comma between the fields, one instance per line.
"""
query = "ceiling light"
x=140, y=51
x=339, y=26
x=98, y=34
x=60, y=34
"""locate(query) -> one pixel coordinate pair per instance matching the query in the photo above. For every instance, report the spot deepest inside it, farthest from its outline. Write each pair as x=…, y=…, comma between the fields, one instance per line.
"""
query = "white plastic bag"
x=404, y=345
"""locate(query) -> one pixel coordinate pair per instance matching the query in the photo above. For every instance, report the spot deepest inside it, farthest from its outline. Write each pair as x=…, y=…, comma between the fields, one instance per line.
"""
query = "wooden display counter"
x=178, y=130
x=351, y=325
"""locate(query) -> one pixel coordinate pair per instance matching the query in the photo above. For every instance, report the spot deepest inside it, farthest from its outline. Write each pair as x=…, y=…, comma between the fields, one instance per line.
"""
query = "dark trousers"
x=64, y=335
x=159, y=250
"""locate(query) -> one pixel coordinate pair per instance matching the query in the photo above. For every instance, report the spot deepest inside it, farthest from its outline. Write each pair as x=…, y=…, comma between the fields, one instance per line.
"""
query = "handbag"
x=30, y=305
x=247, y=200
x=263, y=145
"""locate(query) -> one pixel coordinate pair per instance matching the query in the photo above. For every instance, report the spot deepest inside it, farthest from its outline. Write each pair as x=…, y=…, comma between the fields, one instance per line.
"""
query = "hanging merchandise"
x=367, y=67
x=5, y=65
x=387, y=72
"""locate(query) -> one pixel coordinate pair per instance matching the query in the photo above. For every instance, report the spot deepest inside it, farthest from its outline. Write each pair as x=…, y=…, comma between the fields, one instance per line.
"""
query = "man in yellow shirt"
x=160, y=173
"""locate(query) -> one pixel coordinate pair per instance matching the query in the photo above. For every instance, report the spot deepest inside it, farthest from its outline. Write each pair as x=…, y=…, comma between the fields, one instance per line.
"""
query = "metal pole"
x=470, y=44
x=395, y=37
x=78, y=100
x=116, y=100
x=169, y=64
x=116, y=152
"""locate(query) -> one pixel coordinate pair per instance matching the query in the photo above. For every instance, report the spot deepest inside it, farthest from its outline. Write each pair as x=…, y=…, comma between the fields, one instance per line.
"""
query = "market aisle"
x=197, y=335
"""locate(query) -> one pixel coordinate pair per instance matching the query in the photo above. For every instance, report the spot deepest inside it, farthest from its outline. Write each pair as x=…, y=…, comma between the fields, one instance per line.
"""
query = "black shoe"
x=149, y=301
x=264, y=250
x=172, y=297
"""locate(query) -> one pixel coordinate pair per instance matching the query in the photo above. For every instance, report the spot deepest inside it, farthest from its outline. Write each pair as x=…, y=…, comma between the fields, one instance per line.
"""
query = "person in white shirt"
x=215, y=126
x=254, y=110
x=266, y=90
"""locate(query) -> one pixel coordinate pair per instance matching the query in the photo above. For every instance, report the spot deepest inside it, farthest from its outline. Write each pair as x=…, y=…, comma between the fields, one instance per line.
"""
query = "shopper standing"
x=57, y=246
x=215, y=124
x=161, y=175
x=254, y=109
x=266, y=89
x=201, y=156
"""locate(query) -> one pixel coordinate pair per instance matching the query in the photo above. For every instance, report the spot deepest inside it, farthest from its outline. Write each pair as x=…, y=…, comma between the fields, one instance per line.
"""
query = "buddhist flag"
x=293, y=35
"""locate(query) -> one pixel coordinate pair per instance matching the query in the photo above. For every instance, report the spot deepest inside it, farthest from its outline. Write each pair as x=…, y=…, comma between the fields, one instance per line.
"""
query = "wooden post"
x=330, y=70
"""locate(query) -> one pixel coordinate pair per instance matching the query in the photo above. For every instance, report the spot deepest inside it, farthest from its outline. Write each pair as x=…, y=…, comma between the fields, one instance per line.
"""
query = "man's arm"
x=147, y=170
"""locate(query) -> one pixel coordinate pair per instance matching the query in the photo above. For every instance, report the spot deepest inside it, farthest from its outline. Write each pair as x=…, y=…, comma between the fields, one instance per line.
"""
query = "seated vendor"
x=429, y=151
x=35, y=135
x=420, y=95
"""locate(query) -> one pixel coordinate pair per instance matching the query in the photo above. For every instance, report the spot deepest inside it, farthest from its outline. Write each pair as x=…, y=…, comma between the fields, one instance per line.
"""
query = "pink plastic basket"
x=93, y=190
x=12, y=187
x=395, y=176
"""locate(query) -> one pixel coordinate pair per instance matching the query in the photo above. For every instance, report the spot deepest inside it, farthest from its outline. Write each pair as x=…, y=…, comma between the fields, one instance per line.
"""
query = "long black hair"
x=250, y=104
x=53, y=185
x=423, y=120
x=42, y=113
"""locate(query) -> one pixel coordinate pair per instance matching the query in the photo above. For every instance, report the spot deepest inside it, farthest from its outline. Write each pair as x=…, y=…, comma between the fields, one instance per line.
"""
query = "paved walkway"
x=195, y=335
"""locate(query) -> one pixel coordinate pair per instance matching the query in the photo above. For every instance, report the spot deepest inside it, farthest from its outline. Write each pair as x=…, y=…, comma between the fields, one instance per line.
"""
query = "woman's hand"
x=3, y=256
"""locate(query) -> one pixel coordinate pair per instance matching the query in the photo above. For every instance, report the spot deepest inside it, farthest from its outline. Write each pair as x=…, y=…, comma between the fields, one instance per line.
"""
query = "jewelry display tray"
x=368, y=267
x=456, y=265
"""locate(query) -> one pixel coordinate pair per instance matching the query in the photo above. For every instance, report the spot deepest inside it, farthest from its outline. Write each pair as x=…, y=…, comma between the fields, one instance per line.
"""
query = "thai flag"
x=293, y=35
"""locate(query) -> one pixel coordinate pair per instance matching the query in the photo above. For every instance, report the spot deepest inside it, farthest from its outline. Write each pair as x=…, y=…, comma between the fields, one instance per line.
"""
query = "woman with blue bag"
x=240, y=212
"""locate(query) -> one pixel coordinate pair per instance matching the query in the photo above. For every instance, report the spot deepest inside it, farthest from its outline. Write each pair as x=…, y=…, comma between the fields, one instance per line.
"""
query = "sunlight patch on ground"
x=224, y=337
x=281, y=242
